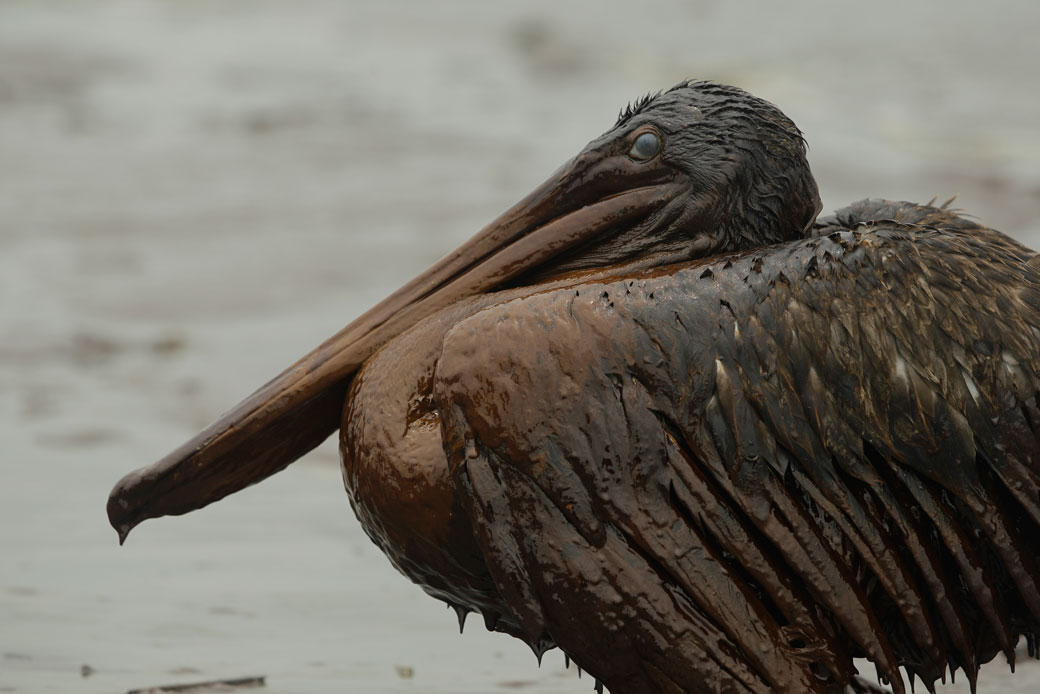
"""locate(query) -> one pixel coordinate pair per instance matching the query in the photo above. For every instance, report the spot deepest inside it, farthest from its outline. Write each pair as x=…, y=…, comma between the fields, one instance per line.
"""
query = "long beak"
x=301, y=407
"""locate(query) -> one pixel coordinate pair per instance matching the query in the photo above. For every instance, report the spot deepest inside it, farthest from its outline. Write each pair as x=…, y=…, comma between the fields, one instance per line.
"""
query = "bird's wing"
x=736, y=476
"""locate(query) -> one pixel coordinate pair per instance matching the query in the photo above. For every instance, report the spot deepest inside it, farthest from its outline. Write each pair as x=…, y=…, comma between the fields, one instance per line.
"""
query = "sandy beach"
x=193, y=194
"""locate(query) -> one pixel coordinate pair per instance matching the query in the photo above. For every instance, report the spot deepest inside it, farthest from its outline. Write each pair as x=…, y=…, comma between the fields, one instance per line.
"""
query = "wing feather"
x=739, y=475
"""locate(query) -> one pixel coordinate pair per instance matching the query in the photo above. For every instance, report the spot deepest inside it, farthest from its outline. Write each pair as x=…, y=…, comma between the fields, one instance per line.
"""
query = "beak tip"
x=119, y=516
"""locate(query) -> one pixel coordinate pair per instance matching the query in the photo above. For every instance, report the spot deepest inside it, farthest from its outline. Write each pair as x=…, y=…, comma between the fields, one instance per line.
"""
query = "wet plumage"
x=715, y=447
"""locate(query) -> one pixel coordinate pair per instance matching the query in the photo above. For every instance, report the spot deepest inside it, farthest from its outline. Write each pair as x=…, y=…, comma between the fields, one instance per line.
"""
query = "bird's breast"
x=396, y=473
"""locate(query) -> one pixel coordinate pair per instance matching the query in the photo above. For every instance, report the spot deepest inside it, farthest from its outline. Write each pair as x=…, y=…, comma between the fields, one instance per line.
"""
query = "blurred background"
x=193, y=194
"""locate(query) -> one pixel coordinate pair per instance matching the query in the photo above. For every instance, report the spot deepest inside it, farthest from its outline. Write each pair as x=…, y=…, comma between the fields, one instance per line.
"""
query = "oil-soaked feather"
x=789, y=456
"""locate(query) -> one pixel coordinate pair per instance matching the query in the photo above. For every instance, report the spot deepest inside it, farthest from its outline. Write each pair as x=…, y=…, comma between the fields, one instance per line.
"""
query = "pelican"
x=659, y=416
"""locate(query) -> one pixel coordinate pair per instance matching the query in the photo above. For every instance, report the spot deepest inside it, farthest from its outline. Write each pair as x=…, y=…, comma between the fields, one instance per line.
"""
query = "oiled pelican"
x=656, y=417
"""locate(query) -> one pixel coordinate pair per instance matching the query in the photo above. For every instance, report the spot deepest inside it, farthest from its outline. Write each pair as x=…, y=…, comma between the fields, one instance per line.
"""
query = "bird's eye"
x=645, y=147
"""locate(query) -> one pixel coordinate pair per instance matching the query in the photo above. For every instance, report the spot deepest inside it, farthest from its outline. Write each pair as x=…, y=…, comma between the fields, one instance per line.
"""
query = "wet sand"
x=194, y=194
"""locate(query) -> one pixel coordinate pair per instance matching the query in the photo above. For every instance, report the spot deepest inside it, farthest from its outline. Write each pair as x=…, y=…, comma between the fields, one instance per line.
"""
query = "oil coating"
x=656, y=416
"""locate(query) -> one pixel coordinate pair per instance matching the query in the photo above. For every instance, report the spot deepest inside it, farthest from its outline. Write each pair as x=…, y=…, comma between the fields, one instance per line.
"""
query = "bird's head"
x=728, y=170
